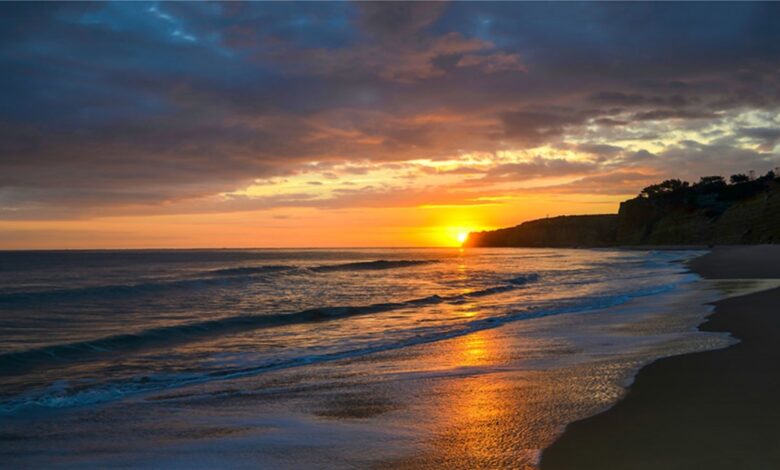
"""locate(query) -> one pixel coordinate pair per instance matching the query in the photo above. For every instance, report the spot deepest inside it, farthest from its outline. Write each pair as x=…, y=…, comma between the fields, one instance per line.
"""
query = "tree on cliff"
x=664, y=188
x=739, y=178
x=710, y=183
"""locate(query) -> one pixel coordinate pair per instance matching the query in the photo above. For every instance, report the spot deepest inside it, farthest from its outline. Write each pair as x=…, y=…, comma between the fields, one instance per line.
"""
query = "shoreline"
x=714, y=409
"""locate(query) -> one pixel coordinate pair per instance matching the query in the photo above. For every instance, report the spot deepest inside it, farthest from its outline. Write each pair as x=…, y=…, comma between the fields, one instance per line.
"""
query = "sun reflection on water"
x=477, y=418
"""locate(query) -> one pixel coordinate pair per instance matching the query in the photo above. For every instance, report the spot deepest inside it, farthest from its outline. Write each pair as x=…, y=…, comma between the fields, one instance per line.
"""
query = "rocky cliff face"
x=756, y=220
x=643, y=222
x=688, y=219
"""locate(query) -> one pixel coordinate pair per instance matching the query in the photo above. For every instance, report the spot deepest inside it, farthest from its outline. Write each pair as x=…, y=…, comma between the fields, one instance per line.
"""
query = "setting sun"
x=457, y=235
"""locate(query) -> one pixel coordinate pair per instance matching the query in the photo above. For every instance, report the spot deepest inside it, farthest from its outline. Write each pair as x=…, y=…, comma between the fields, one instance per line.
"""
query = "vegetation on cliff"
x=713, y=210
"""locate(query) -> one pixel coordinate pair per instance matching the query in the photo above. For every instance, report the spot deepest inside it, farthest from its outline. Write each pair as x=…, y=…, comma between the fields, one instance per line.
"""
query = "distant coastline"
x=712, y=211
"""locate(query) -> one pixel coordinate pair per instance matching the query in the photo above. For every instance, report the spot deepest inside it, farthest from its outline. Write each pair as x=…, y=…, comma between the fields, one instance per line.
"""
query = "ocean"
x=336, y=358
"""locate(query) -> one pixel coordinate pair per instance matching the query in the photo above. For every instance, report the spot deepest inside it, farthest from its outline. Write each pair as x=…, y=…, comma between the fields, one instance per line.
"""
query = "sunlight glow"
x=456, y=233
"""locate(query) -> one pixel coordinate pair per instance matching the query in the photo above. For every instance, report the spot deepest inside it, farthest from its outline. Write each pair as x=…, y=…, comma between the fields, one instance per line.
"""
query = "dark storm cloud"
x=143, y=104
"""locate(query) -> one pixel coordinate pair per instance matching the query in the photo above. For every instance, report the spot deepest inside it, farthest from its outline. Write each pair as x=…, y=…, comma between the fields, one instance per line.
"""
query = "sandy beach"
x=713, y=410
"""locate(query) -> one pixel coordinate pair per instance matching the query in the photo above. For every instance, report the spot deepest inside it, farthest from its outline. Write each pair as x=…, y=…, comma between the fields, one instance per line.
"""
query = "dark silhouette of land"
x=712, y=211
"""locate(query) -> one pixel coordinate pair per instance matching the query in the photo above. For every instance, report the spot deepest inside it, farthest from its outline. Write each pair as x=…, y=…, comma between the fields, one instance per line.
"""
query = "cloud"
x=691, y=159
x=119, y=107
x=619, y=183
x=600, y=150
x=616, y=98
x=768, y=137
x=641, y=155
x=666, y=114
x=532, y=127
x=493, y=63
x=538, y=167
x=393, y=20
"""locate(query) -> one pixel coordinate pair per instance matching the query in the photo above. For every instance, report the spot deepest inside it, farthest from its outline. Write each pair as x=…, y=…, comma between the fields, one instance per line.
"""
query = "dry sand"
x=713, y=410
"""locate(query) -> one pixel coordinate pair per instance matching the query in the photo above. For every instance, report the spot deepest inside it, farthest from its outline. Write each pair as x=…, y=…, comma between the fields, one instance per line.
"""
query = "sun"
x=455, y=235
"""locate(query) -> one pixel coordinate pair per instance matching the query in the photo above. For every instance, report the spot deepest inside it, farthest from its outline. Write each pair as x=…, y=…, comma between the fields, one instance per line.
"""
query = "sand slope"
x=713, y=410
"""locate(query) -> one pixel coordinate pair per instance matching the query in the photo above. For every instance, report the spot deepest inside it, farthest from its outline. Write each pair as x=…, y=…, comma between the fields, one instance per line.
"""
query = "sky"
x=170, y=125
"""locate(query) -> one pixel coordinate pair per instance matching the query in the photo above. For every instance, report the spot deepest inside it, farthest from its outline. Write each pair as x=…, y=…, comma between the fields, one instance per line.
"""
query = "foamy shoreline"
x=712, y=410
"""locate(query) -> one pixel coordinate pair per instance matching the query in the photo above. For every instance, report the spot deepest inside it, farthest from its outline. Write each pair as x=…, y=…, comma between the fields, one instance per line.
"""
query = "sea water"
x=290, y=348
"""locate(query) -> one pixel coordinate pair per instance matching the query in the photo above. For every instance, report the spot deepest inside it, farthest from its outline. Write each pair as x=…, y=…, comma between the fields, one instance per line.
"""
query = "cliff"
x=671, y=213
x=563, y=231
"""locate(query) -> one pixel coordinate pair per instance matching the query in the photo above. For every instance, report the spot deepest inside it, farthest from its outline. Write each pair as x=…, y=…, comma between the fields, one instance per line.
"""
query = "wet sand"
x=712, y=410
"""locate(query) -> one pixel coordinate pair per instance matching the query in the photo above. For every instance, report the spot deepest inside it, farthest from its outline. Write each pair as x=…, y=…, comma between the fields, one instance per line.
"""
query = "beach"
x=716, y=409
